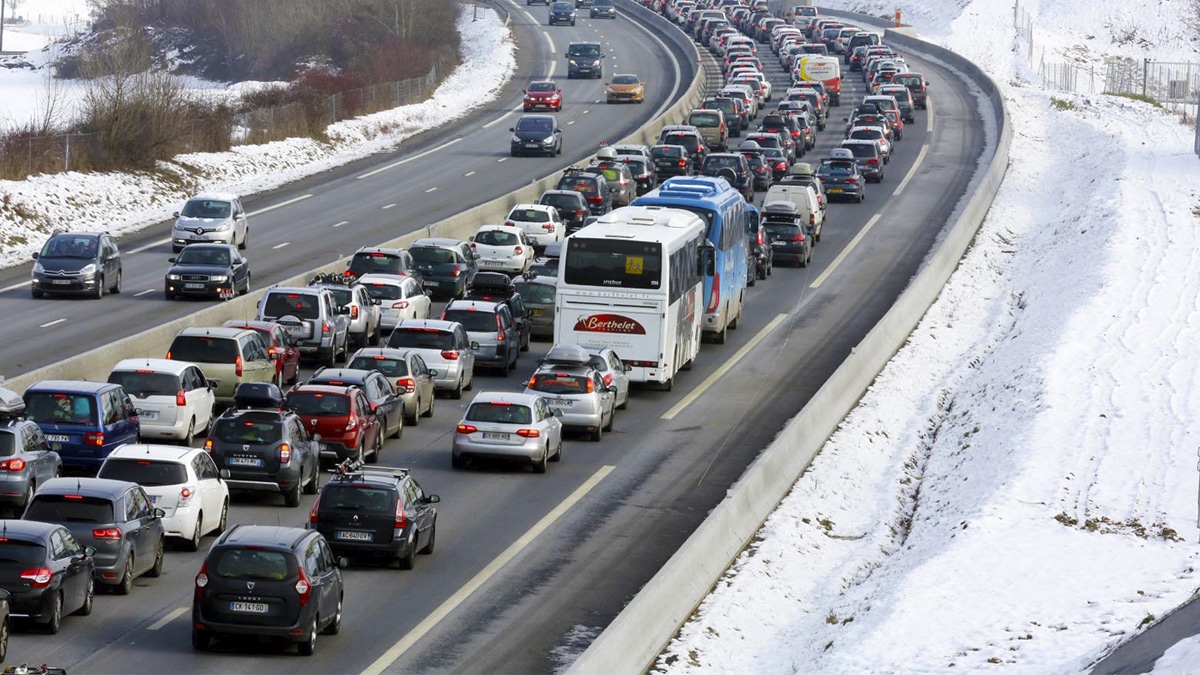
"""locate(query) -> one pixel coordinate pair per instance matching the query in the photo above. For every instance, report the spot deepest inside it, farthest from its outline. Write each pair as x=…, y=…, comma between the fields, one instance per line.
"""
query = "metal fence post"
x=1197, y=142
x=67, y=156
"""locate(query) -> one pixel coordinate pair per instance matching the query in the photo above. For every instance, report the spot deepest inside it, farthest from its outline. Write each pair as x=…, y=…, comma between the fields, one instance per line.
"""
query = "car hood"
x=624, y=88
x=541, y=94
x=533, y=135
x=52, y=264
x=198, y=269
x=206, y=223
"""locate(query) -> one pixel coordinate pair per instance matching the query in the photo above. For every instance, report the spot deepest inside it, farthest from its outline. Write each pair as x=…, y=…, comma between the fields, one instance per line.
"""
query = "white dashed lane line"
x=145, y=292
x=344, y=222
x=469, y=173
x=52, y=323
x=431, y=189
x=388, y=206
x=279, y=246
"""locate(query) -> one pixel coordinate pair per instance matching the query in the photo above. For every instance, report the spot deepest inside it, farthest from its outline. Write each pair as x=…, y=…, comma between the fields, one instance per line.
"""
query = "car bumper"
x=281, y=481
x=109, y=567
x=447, y=377
x=181, y=239
x=541, y=105
x=51, y=284
x=542, y=240
x=446, y=285
x=13, y=488
x=34, y=604
x=583, y=70
x=206, y=289
x=175, y=431
x=181, y=521
x=317, y=348
x=622, y=98
x=584, y=421
x=530, y=449
x=86, y=465
x=510, y=266
x=297, y=632
x=338, y=450
x=531, y=148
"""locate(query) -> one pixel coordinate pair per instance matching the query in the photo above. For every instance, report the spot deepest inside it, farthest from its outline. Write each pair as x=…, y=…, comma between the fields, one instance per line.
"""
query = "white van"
x=805, y=199
x=173, y=398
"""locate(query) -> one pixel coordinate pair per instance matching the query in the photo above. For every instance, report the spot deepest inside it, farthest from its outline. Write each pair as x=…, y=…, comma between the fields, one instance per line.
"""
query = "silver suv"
x=211, y=217
x=575, y=391
x=365, y=314
x=320, y=327
x=445, y=348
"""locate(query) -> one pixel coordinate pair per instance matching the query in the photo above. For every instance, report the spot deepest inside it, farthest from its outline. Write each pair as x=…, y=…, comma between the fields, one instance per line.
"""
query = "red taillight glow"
x=499, y=329
x=608, y=380
x=285, y=453
x=208, y=445
x=202, y=579
x=528, y=433
x=312, y=514
x=185, y=495
x=450, y=354
x=94, y=438
x=12, y=465
x=517, y=250
x=401, y=519
x=237, y=367
x=402, y=304
x=303, y=587
x=40, y=576
x=715, y=298
x=812, y=219
x=595, y=199
x=798, y=239
x=465, y=429
x=107, y=533
x=354, y=312
x=325, y=327
x=455, y=272
x=407, y=384
x=873, y=161
x=181, y=398
x=682, y=163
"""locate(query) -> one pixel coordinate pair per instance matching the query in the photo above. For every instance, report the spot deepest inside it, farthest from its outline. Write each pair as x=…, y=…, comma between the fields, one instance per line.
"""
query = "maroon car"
x=279, y=341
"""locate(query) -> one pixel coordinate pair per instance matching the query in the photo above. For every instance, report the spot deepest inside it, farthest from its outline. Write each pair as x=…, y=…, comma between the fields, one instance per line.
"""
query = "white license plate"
x=431, y=283
x=354, y=536
x=491, y=263
x=779, y=243
x=148, y=414
x=249, y=607
x=531, y=145
x=561, y=402
x=496, y=436
x=61, y=282
x=195, y=286
x=58, y=438
x=244, y=461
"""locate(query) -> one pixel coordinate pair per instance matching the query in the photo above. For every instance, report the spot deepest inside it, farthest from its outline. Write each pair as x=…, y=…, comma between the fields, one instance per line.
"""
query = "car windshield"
x=249, y=564
x=144, y=472
x=625, y=79
x=546, y=86
x=560, y=383
x=528, y=216
x=535, y=124
x=24, y=554
x=421, y=338
x=206, y=208
x=55, y=408
x=473, y=320
x=584, y=50
x=337, y=497
x=67, y=246
x=69, y=509
x=381, y=291
x=386, y=366
x=559, y=7
x=140, y=384
x=203, y=255
x=203, y=349
x=318, y=404
x=496, y=238
x=376, y=263
x=500, y=413
x=247, y=432
x=432, y=256
x=538, y=294
x=299, y=305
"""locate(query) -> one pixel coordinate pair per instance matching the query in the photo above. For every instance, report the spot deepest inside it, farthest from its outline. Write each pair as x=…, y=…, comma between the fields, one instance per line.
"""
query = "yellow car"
x=624, y=88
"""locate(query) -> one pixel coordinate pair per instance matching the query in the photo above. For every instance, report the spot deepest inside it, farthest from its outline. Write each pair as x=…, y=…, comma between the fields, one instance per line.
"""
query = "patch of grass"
x=1061, y=104
x=1140, y=97
x=832, y=619
x=1149, y=619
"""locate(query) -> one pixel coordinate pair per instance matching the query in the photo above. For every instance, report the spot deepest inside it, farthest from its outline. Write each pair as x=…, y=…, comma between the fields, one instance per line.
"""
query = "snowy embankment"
x=121, y=202
x=1018, y=488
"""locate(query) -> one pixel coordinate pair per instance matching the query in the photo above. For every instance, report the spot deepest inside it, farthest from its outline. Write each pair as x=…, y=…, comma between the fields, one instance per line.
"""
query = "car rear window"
x=421, y=338
x=528, y=216
x=299, y=305
x=474, y=321
x=23, y=554
x=318, y=404
x=203, y=349
x=250, y=564
x=144, y=472
x=537, y=294
x=382, y=364
x=432, y=256
x=660, y=151
x=69, y=509
x=381, y=291
x=560, y=383
x=142, y=384
x=560, y=201
x=8, y=443
x=781, y=230
x=866, y=134
x=500, y=413
x=861, y=149
x=55, y=408
x=496, y=238
x=247, y=432
x=358, y=499
x=376, y=263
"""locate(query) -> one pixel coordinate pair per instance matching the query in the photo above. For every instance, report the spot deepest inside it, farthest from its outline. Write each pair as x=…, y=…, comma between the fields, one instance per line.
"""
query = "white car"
x=173, y=398
x=183, y=482
x=873, y=134
x=211, y=217
x=400, y=297
x=541, y=223
x=503, y=248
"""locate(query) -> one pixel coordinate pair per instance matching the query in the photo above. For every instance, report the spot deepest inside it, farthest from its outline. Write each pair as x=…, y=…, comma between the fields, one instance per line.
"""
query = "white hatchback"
x=183, y=482
x=503, y=248
x=401, y=297
x=173, y=399
x=541, y=223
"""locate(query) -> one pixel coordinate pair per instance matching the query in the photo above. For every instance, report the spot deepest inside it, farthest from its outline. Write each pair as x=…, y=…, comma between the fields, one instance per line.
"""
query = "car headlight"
x=516, y=138
x=88, y=270
x=224, y=226
x=219, y=278
x=173, y=277
x=596, y=62
x=549, y=140
x=37, y=268
x=572, y=62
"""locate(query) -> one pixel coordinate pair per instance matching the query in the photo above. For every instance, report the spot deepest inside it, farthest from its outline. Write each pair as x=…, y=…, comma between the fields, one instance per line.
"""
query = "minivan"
x=445, y=347
x=494, y=335
x=82, y=421
x=226, y=356
x=711, y=123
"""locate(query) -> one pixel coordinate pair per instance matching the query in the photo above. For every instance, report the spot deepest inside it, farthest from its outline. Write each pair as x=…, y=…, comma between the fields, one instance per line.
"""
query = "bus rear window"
x=613, y=263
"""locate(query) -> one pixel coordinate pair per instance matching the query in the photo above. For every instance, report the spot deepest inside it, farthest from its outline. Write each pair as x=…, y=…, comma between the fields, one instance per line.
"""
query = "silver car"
x=613, y=371
x=505, y=425
x=408, y=374
x=446, y=349
x=579, y=394
x=365, y=313
x=211, y=217
x=26, y=460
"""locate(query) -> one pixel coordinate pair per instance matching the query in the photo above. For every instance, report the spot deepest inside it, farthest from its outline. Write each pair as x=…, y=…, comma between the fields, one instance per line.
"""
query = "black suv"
x=375, y=512
x=593, y=187
x=264, y=446
x=87, y=263
x=572, y=207
x=268, y=581
x=499, y=287
x=734, y=168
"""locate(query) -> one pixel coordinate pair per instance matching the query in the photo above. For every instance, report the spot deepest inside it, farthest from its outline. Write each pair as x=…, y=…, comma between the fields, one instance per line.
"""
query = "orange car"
x=625, y=88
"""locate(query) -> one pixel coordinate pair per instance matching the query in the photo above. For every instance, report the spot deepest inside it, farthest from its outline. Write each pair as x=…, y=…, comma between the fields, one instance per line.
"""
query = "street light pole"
x=2, y=3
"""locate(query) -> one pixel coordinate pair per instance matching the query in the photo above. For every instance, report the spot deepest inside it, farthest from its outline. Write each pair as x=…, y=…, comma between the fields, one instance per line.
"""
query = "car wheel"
x=612, y=418
x=414, y=419
x=126, y=583
x=291, y=498
x=399, y=426
x=376, y=449
x=246, y=284
x=408, y=560
x=375, y=335
x=470, y=383
x=330, y=359
x=156, y=570
x=54, y=623
x=596, y=434
x=309, y=646
x=429, y=412
x=335, y=626
x=116, y=289
x=38, y=295
x=99, y=289
x=224, y=521
x=89, y=600
x=201, y=640
x=456, y=393
x=29, y=490
x=193, y=544
x=539, y=465
x=190, y=435
x=245, y=240
x=167, y=295
x=428, y=550
x=557, y=457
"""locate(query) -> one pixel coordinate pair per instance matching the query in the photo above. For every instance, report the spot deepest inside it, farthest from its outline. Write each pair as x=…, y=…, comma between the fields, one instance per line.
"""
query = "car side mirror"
x=273, y=355
x=159, y=513
x=376, y=301
x=170, y=260
x=175, y=215
x=89, y=551
x=628, y=368
x=612, y=389
x=35, y=256
x=433, y=373
x=556, y=412
x=343, y=562
x=316, y=438
x=224, y=474
x=433, y=499
x=475, y=256
x=345, y=311
x=513, y=129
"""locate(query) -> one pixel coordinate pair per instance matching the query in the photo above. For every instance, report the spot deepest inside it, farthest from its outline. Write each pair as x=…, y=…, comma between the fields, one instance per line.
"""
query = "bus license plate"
x=58, y=438
x=244, y=461
x=249, y=607
x=496, y=436
x=354, y=536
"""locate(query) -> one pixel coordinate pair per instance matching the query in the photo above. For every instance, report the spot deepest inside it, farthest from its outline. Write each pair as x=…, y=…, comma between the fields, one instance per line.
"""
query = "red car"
x=344, y=419
x=543, y=96
x=279, y=341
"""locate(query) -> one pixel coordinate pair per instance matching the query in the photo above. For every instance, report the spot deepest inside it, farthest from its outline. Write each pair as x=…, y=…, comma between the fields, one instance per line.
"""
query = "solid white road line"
x=52, y=323
x=502, y=159
x=845, y=252
x=175, y=614
x=928, y=116
x=279, y=246
x=720, y=372
x=149, y=246
x=280, y=205
x=344, y=222
x=406, y=160
x=504, y=116
x=405, y=643
x=145, y=292
x=911, y=172
x=14, y=287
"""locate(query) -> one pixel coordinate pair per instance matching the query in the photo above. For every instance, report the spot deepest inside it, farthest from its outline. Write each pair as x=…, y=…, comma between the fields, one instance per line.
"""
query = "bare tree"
x=48, y=113
x=12, y=7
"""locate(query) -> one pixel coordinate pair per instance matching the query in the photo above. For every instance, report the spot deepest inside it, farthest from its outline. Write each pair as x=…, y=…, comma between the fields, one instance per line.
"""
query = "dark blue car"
x=82, y=421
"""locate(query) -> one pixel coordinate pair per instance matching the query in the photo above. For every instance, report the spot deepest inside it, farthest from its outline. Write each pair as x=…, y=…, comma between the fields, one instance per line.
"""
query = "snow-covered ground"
x=32, y=208
x=1018, y=488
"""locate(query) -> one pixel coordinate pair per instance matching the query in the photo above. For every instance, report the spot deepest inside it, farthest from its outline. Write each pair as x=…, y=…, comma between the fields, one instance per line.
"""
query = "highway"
x=529, y=568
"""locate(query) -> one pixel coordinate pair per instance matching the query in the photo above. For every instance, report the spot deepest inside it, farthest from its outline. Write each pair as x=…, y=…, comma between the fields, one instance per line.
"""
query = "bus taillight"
x=716, y=293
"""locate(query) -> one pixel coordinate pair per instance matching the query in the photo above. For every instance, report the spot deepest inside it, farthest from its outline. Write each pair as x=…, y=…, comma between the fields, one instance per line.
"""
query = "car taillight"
x=181, y=398
x=40, y=576
x=608, y=380
x=185, y=495
x=237, y=367
x=202, y=578
x=325, y=327
x=455, y=272
x=528, y=433
x=699, y=148
x=402, y=304
x=450, y=354
x=352, y=423
x=303, y=587
x=796, y=134
x=408, y=384
x=509, y=223
x=798, y=239
x=94, y=438
x=285, y=453
x=595, y=199
x=591, y=386
x=353, y=312
x=106, y=533
x=781, y=166
x=852, y=180
x=812, y=219
x=312, y=513
x=208, y=445
x=517, y=250
x=579, y=212
x=760, y=169
x=682, y=163
x=465, y=429
x=499, y=329
x=549, y=227
x=716, y=293
x=401, y=520
x=873, y=161
x=12, y=465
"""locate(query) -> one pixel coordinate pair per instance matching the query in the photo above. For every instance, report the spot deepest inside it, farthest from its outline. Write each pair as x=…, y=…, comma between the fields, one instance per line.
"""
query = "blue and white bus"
x=724, y=212
x=632, y=281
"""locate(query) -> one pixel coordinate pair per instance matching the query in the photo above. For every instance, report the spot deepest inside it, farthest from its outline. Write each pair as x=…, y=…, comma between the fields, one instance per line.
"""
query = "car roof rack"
x=349, y=468
x=12, y=406
x=337, y=278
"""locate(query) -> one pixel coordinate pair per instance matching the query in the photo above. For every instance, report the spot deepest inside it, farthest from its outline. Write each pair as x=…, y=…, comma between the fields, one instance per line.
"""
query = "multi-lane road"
x=529, y=567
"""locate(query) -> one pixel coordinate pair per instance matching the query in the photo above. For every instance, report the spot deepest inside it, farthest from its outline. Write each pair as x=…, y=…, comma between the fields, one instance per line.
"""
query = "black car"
x=688, y=138
x=584, y=58
x=375, y=512
x=643, y=173
x=446, y=265
x=572, y=207
x=760, y=169
x=209, y=271
x=264, y=447
x=268, y=581
x=869, y=157
x=385, y=402
x=760, y=245
x=732, y=167
x=842, y=178
x=603, y=9
x=788, y=238
x=86, y=263
x=562, y=12
x=671, y=160
x=44, y=573
x=772, y=140
x=593, y=187
x=499, y=287
x=536, y=135
x=778, y=162
x=376, y=260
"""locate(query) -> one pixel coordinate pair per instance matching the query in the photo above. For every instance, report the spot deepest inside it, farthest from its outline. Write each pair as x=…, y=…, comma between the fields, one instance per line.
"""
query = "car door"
x=239, y=268
x=128, y=512
x=240, y=223
x=60, y=561
x=77, y=571
x=607, y=403
x=620, y=377
x=126, y=426
x=423, y=376
x=331, y=580
x=110, y=258
x=257, y=364
x=34, y=450
x=512, y=336
x=389, y=403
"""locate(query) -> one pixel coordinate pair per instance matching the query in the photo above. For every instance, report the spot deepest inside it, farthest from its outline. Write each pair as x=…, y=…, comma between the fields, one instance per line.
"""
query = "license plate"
x=148, y=414
x=61, y=282
x=779, y=243
x=354, y=536
x=249, y=607
x=431, y=283
x=245, y=461
x=834, y=191
x=58, y=438
x=531, y=145
x=561, y=402
x=496, y=436
x=491, y=263
x=194, y=286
